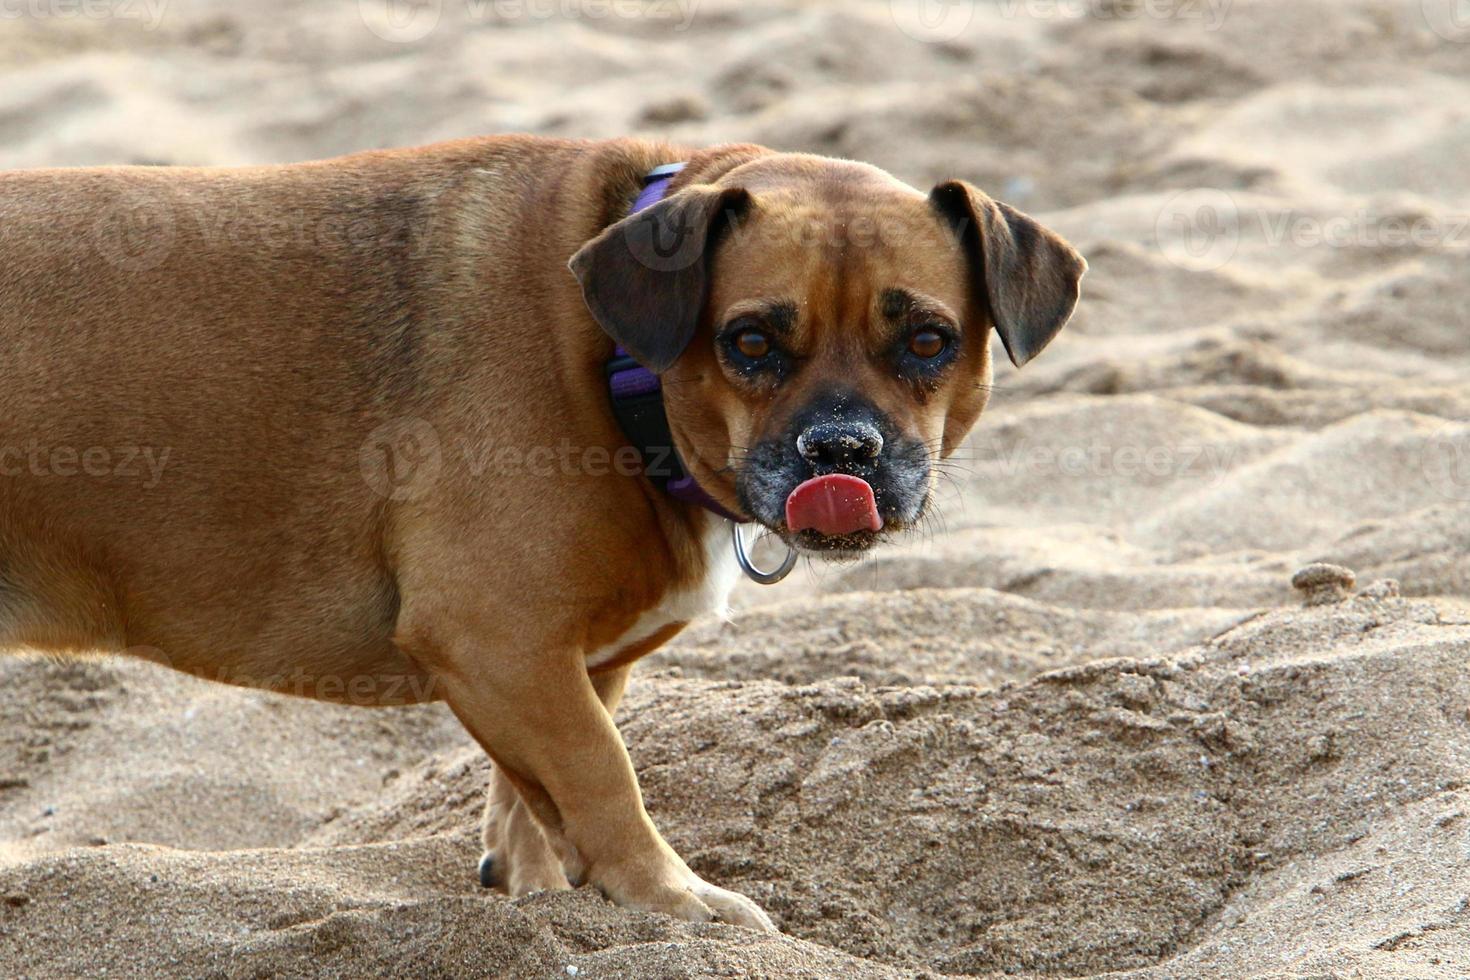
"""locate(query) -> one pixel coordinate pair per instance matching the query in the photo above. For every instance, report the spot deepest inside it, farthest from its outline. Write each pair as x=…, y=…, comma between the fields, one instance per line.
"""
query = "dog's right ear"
x=1027, y=274
x=646, y=278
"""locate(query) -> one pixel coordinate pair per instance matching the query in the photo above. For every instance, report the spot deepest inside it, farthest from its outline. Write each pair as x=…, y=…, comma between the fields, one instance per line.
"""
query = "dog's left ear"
x=646, y=278
x=1028, y=275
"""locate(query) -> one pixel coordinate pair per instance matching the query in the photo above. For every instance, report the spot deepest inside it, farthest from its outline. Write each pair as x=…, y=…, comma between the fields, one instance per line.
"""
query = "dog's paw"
x=489, y=877
x=522, y=872
x=687, y=896
x=539, y=877
x=734, y=908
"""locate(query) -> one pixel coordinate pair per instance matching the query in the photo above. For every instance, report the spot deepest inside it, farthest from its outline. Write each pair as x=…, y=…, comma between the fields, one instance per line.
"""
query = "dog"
x=383, y=461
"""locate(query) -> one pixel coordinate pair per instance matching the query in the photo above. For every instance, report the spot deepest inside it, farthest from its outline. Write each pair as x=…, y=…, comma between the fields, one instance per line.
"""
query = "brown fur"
x=331, y=355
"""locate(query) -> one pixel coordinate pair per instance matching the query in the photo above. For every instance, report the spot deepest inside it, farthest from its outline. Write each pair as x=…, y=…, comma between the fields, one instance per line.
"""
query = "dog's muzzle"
x=845, y=477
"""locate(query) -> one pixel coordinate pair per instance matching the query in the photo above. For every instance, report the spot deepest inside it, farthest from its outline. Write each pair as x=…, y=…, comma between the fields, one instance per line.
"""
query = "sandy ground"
x=1084, y=724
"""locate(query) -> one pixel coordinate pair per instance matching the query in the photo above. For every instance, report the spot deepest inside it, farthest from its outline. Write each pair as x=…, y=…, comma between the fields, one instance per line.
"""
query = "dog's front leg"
x=542, y=721
x=521, y=856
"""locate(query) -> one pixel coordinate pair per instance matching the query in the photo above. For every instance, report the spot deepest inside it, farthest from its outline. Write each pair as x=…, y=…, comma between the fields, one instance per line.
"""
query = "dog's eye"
x=752, y=344
x=927, y=344
x=753, y=354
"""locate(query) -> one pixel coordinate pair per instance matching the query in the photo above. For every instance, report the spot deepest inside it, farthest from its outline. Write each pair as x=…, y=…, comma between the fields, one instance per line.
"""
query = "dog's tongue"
x=833, y=504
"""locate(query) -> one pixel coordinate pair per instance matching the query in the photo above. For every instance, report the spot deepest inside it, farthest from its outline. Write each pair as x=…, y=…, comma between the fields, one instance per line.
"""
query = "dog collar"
x=638, y=399
x=638, y=405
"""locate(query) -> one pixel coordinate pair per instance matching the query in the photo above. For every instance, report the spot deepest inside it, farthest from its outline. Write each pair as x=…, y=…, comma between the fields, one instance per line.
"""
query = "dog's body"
x=259, y=363
x=384, y=468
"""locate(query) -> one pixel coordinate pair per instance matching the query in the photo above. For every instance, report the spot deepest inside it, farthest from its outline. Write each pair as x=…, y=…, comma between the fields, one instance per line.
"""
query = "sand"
x=1082, y=724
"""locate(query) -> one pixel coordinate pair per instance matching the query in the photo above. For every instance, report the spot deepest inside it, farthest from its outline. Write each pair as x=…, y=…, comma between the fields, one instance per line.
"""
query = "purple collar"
x=637, y=395
x=655, y=186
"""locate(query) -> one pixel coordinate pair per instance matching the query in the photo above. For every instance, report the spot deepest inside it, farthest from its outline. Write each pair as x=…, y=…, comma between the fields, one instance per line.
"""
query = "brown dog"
x=343, y=429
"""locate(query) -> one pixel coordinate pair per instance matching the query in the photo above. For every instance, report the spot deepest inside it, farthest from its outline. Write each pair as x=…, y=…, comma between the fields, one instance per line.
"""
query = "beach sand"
x=1083, y=723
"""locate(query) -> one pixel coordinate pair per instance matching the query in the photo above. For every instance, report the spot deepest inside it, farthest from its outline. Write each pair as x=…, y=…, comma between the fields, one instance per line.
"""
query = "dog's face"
x=823, y=338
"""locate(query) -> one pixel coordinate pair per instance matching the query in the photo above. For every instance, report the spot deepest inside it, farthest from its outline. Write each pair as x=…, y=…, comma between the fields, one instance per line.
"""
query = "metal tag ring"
x=748, y=566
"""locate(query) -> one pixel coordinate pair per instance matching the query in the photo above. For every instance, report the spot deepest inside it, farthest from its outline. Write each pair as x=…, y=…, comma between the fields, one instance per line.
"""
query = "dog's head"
x=822, y=332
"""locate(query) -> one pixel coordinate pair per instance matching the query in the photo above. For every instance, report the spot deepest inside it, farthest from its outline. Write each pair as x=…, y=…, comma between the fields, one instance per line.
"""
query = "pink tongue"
x=833, y=504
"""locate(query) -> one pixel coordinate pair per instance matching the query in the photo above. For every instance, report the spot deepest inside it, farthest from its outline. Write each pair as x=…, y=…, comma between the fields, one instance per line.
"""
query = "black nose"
x=838, y=443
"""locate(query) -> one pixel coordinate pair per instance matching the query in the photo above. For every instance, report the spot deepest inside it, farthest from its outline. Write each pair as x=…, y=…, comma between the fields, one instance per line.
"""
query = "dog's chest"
x=709, y=594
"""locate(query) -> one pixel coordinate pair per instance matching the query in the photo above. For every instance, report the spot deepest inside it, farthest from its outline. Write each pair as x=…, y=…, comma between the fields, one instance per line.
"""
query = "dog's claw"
x=488, y=877
x=735, y=908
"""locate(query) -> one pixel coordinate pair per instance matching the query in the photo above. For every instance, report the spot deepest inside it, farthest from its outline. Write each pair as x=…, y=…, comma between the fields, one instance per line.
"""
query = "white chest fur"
x=709, y=594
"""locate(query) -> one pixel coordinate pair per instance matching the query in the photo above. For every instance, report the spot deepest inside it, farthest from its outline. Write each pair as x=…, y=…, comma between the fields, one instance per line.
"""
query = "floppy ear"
x=1027, y=275
x=645, y=278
